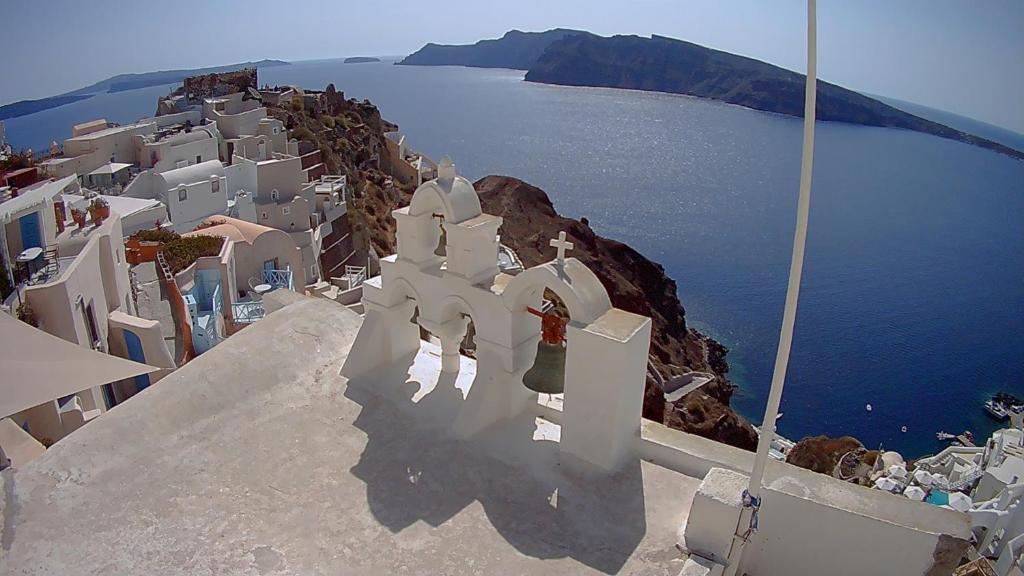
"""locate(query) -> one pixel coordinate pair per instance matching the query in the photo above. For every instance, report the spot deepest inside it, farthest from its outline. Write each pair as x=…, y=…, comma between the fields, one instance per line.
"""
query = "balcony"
x=278, y=278
x=247, y=312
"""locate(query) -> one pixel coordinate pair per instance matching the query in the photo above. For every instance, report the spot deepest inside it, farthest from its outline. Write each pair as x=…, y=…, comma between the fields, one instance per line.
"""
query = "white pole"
x=771, y=411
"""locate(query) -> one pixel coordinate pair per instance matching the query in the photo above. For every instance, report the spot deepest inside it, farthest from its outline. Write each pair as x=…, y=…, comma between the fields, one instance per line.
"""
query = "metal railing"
x=247, y=312
x=355, y=276
x=278, y=278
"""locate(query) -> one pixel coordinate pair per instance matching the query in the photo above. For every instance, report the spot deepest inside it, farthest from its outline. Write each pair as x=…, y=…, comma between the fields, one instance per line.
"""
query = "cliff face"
x=669, y=65
x=516, y=50
x=350, y=136
x=637, y=285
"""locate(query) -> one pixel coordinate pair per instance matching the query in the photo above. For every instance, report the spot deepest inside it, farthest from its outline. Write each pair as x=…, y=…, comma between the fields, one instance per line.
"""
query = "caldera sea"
x=913, y=292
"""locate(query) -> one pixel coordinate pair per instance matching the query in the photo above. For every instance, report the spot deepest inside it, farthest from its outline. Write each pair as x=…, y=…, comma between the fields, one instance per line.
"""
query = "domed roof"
x=233, y=228
x=455, y=194
x=192, y=174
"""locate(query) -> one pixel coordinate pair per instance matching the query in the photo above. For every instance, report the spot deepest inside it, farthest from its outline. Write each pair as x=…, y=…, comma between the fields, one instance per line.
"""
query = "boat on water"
x=943, y=435
x=1009, y=402
x=996, y=410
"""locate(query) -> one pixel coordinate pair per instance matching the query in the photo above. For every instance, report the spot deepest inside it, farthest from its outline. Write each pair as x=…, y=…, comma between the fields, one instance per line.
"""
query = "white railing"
x=355, y=276
x=247, y=312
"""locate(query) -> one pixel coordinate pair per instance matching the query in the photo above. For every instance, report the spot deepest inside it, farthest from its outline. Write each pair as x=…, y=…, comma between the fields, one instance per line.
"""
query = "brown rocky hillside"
x=637, y=285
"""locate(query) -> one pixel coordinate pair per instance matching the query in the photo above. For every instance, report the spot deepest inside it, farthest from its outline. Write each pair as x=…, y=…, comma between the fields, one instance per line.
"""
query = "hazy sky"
x=956, y=55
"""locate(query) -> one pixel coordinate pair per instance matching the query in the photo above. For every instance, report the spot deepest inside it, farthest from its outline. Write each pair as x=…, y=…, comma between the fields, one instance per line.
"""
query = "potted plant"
x=27, y=315
x=99, y=209
x=79, y=217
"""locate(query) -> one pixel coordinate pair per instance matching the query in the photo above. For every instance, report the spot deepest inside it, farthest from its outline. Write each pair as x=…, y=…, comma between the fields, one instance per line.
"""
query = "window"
x=182, y=194
x=274, y=195
x=215, y=185
x=264, y=215
x=199, y=159
x=286, y=210
x=276, y=129
x=90, y=322
x=312, y=271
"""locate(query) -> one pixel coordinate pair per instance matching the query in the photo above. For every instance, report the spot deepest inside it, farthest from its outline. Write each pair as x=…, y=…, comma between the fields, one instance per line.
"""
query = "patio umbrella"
x=898, y=472
x=886, y=483
x=960, y=501
x=914, y=493
x=924, y=477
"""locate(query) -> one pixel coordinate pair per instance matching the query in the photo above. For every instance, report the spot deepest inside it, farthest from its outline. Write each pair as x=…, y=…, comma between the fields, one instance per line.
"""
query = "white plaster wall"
x=241, y=175
x=237, y=125
x=801, y=536
x=170, y=154
x=200, y=202
x=284, y=175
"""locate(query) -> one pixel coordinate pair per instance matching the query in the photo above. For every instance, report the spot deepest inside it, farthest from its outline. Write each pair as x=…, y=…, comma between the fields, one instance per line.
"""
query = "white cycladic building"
x=190, y=194
x=96, y=143
x=83, y=296
x=163, y=151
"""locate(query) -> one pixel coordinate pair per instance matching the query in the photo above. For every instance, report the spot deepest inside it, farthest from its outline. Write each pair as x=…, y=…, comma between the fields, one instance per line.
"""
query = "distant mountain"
x=577, y=58
x=991, y=132
x=123, y=82
x=26, y=107
x=120, y=83
x=669, y=65
x=517, y=50
x=360, y=60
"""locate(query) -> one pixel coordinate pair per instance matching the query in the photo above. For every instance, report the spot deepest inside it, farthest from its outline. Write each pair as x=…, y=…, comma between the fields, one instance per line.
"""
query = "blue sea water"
x=913, y=291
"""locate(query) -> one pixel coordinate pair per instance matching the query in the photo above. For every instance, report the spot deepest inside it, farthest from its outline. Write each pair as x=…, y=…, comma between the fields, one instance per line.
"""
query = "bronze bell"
x=548, y=372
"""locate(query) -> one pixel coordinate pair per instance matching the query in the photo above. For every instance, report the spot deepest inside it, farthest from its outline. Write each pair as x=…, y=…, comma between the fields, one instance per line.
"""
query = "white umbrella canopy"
x=897, y=471
x=886, y=483
x=924, y=477
x=914, y=493
x=960, y=501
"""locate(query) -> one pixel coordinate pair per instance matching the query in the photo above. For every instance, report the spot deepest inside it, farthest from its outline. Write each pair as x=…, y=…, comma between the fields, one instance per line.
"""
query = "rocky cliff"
x=637, y=285
x=669, y=65
x=517, y=50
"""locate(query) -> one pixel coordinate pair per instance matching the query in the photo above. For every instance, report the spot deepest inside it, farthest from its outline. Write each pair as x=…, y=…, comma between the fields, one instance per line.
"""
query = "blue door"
x=31, y=235
x=135, y=353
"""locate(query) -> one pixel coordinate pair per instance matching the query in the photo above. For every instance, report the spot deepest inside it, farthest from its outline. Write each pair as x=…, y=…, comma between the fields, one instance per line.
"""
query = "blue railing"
x=278, y=278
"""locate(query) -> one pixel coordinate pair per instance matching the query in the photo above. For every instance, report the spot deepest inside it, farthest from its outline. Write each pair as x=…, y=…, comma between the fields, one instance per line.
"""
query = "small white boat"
x=868, y=407
x=942, y=435
x=996, y=410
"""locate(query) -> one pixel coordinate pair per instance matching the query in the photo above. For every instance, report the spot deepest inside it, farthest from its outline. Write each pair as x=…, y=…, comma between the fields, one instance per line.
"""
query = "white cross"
x=562, y=246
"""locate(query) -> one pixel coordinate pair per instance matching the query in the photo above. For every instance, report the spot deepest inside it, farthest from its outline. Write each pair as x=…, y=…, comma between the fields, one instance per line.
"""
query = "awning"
x=111, y=168
x=36, y=367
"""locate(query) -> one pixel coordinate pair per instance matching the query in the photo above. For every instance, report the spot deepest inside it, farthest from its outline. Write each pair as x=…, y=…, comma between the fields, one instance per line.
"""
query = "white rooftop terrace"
x=259, y=458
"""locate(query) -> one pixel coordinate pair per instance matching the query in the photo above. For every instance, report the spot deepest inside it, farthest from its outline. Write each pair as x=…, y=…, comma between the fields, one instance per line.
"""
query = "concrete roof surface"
x=258, y=458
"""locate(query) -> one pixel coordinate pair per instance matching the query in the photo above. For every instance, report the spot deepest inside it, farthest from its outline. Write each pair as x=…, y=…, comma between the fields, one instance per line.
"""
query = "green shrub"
x=183, y=251
x=303, y=133
x=161, y=235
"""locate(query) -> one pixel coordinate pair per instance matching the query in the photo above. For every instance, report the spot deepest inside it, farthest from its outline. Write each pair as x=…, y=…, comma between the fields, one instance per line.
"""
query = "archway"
x=566, y=292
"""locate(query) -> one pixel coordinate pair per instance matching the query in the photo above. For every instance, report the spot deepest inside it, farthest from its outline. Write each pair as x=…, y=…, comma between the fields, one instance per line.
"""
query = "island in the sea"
x=123, y=82
x=361, y=59
x=660, y=64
